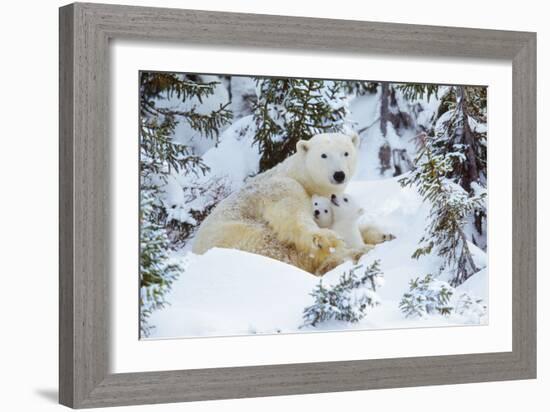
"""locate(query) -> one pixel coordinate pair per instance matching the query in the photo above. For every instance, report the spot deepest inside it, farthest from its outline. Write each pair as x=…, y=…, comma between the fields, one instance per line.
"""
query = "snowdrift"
x=229, y=292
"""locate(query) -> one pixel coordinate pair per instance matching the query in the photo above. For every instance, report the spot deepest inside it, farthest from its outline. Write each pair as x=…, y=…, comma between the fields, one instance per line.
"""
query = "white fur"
x=271, y=214
x=322, y=211
x=326, y=154
x=346, y=213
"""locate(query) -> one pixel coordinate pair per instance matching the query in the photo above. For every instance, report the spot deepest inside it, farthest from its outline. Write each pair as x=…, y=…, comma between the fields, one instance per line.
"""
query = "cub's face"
x=344, y=207
x=330, y=160
x=322, y=211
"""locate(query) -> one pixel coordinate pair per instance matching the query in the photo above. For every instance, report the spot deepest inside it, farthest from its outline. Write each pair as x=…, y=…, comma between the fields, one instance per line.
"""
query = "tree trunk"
x=464, y=135
x=384, y=108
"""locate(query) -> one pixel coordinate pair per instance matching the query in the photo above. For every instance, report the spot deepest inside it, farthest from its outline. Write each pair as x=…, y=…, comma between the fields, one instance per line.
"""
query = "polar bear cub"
x=346, y=213
x=322, y=211
x=344, y=220
x=340, y=214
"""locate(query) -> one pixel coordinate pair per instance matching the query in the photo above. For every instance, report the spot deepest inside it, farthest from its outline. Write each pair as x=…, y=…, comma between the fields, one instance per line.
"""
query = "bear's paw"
x=326, y=240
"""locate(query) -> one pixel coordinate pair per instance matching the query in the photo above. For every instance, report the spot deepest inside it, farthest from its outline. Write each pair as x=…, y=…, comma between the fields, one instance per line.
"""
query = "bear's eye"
x=326, y=211
x=324, y=156
x=316, y=204
x=345, y=199
x=346, y=154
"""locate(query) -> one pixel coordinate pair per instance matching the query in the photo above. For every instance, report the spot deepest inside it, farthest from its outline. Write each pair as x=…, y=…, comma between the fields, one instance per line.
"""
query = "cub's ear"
x=355, y=139
x=302, y=146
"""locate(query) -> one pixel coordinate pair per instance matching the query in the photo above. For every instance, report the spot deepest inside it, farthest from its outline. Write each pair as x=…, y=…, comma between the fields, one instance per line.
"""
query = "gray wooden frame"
x=85, y=31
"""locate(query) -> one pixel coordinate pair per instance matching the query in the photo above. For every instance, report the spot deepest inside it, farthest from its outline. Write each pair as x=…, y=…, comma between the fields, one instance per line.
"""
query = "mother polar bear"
x=271, y=214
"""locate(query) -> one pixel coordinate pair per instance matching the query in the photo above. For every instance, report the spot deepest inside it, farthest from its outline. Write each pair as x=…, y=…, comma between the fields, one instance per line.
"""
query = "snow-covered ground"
x=229, y=292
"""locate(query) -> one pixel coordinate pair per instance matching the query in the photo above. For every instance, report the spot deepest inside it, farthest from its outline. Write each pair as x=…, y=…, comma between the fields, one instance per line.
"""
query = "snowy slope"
x=229, y=292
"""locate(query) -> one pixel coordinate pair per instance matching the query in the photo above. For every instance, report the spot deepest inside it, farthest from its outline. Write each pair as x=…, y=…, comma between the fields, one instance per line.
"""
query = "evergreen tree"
x=160, y=154
x=431, y=296
x=450, y=207
x=459, y=127
x=289, y=110
x=359, y=87
x=415, y=91
x=157, y=270
x=348, y=300
x=470, y=307
x=427, y=296
x=463, y=129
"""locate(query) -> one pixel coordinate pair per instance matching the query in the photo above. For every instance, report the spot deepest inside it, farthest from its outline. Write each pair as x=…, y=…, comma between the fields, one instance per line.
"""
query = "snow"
x=477, y=126
x=230, y=292
x=223, y=292
x=442, y=123
x=184, y=133
x=229, y=164
x=243, y=90
x=236, y=157
x=428, y=109
x=364, y=114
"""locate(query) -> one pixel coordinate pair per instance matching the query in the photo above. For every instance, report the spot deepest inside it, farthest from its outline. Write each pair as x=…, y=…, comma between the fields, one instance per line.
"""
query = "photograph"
x=276, y=205
x=264, y=206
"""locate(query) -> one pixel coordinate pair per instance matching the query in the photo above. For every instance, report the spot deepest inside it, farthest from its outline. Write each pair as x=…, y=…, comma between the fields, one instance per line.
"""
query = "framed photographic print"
x=286, y=158
x=259, y=205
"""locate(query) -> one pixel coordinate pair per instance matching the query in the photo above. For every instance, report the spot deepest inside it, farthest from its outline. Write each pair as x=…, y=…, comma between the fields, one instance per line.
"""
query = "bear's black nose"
x=316, y=213
x=339, y=177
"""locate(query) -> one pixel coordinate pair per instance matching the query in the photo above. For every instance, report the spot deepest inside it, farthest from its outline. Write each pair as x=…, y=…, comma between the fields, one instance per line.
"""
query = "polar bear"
x=346, y=214
x=325, y=217
x=372, y=235
x=271, y=214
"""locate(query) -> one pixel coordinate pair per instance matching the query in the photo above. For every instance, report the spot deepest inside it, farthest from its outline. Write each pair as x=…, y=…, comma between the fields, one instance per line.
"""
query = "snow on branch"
x=348, y=300
x=426, y=296
x=430, y=296
x=451, y=205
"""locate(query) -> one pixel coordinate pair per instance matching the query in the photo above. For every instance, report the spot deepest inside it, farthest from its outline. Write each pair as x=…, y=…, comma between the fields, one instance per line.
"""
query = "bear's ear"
x=355, y=139
x=302, y=146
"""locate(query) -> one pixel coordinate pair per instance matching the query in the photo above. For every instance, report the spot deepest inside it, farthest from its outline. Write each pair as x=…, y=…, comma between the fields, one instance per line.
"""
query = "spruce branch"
x=348, y=300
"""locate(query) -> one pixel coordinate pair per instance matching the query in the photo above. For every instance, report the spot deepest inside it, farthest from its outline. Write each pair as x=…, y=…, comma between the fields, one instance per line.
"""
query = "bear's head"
x=346, y=208
x=329, y=160
x=322, y=211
